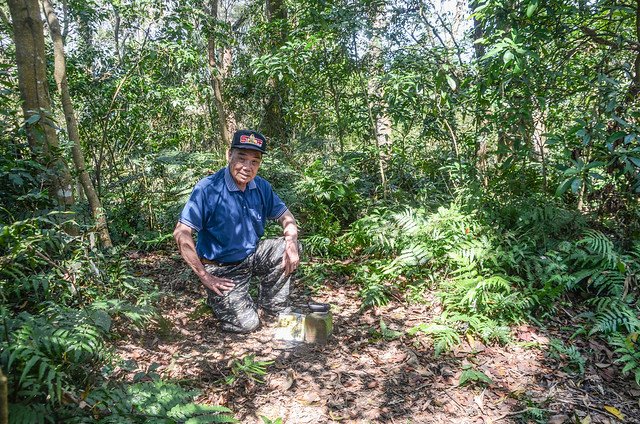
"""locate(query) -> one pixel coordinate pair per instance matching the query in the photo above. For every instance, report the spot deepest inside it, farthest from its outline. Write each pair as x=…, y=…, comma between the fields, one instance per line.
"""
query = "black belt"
x=216, y=263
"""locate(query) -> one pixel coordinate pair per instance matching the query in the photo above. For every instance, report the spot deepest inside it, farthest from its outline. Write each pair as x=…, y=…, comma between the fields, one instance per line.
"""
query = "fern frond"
x=612, y=315
x=411, y=222
x=600, y=248
x=444, y=337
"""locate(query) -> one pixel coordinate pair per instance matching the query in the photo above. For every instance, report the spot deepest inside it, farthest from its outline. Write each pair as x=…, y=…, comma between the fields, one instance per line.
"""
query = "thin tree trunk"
x=60, y=75
x=581, y=196
x=216, y=81
x=219, y=66
x=634, y=88
x=34, y=92
x=380, y=120
x=480, y=119
x=4, y=399
x=116, y=33
x=274, y=124
x=540, y=141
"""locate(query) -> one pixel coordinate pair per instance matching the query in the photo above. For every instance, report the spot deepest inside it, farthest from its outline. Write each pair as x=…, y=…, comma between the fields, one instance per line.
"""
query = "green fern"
x=30, y=414
x=611, y=320
x=444, y=337
x=596, y=250
x=194, y=413
x=387, y=333
x=473, y=376
x=155, y=401
x=247, y=368
x=374, y=294
x=629, y=349
x=575, y=360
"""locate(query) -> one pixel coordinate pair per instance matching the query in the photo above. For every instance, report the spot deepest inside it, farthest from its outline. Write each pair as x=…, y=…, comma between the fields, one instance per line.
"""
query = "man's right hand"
x=220, y=286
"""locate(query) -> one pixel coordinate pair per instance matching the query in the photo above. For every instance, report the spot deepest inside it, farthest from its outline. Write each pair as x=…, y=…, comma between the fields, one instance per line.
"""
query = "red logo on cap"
x=250, y=139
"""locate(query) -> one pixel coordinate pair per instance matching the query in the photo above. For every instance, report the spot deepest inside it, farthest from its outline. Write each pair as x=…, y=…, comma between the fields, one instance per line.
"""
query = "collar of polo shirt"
x=231, y=184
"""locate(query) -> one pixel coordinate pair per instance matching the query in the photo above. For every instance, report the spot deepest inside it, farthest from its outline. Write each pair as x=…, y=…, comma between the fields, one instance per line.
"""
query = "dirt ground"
x=360, y=376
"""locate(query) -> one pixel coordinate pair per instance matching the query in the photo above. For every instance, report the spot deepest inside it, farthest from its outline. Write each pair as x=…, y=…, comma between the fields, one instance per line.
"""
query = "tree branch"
x=599, y=39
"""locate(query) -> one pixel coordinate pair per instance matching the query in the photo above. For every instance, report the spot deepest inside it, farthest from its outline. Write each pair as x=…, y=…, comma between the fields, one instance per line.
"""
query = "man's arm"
x=187, y=248
x=291, y=257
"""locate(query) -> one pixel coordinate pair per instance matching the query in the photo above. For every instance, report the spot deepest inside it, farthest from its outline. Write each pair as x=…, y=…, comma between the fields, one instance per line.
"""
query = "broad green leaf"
x=101, y=319
x=594, y=164
x=451, y=82
x=33, y=118
x=562, y=188
x=531, y=9
x=30, y=363
x=615, y=136
x=507, y=57
x=576, y=184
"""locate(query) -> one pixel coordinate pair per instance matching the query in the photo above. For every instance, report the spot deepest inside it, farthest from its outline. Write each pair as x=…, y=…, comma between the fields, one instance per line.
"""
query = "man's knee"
x=272, y=251
x=251, y=323
x=244, y=324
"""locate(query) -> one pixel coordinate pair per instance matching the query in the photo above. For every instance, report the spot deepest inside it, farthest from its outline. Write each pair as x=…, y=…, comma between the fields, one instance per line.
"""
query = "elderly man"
x=229, y=210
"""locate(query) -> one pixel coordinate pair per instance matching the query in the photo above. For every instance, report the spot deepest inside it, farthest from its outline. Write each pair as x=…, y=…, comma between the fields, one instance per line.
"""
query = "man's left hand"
x=291, y=257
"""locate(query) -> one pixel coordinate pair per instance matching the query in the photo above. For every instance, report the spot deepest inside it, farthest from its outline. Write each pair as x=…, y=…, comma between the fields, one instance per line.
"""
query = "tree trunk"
x=274, y=124
x=60, y=75
x=540, y=148
x=4, y=399
x=380, y=120
x=480, y=120
x=634, y=88
x=34, y=92
x=219, y=68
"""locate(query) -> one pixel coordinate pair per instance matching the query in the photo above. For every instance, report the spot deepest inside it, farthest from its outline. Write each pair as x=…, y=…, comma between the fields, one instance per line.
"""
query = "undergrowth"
x=61, y=304
x=494, y=267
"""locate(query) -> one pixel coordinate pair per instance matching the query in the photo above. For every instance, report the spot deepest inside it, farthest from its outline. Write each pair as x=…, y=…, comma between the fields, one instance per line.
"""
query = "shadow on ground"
x=362, y=377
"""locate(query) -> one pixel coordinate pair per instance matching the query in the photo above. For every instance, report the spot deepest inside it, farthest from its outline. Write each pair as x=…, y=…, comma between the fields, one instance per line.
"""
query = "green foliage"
x=470, y=375
x=537, y=414
x=53, y=353
x=387, y=333
x=59, y=302
x=629, y=349
x=328, y=198
x=146, y=402
x=570, y=354
x=444, y=336
x=247, y=368
x=374, y=290
x=150, y=195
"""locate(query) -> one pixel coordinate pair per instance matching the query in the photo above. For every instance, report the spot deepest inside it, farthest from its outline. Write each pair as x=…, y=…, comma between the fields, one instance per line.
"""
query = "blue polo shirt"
x=230, y=222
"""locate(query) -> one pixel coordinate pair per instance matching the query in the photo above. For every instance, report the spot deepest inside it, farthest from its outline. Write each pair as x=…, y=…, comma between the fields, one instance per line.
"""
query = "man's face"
x=244, y=165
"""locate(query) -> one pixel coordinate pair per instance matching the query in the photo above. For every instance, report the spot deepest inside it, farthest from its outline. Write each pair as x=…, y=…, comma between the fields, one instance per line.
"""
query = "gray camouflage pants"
x=237, y=310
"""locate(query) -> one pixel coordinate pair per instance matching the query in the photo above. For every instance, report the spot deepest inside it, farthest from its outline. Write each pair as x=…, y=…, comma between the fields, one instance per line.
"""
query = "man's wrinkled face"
x=244, y=165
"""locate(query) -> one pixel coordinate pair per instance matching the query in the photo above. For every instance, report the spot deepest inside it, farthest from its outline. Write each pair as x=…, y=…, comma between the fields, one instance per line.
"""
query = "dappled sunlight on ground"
x=361, y=376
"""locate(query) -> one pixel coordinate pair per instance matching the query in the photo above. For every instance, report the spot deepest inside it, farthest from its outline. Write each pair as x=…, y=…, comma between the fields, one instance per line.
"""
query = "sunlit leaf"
x=614, y=411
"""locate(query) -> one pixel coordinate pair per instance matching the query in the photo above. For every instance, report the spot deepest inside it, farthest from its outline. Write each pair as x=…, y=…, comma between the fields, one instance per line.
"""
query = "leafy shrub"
x=629, y=351
x=247, y=368
x=571, y=354
x=145, y=402
x=470, y=375
x=327, y=198
x=58, y=305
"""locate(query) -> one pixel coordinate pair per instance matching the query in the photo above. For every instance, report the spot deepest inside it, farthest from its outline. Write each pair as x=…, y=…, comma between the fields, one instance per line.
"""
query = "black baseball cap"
x=249, y=139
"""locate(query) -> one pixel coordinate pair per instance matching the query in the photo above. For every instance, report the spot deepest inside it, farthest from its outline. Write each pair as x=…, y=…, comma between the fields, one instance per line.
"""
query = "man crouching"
x=229, y=210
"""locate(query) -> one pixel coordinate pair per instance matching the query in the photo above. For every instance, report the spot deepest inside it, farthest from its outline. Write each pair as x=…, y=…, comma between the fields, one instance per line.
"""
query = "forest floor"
x=359, y=376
